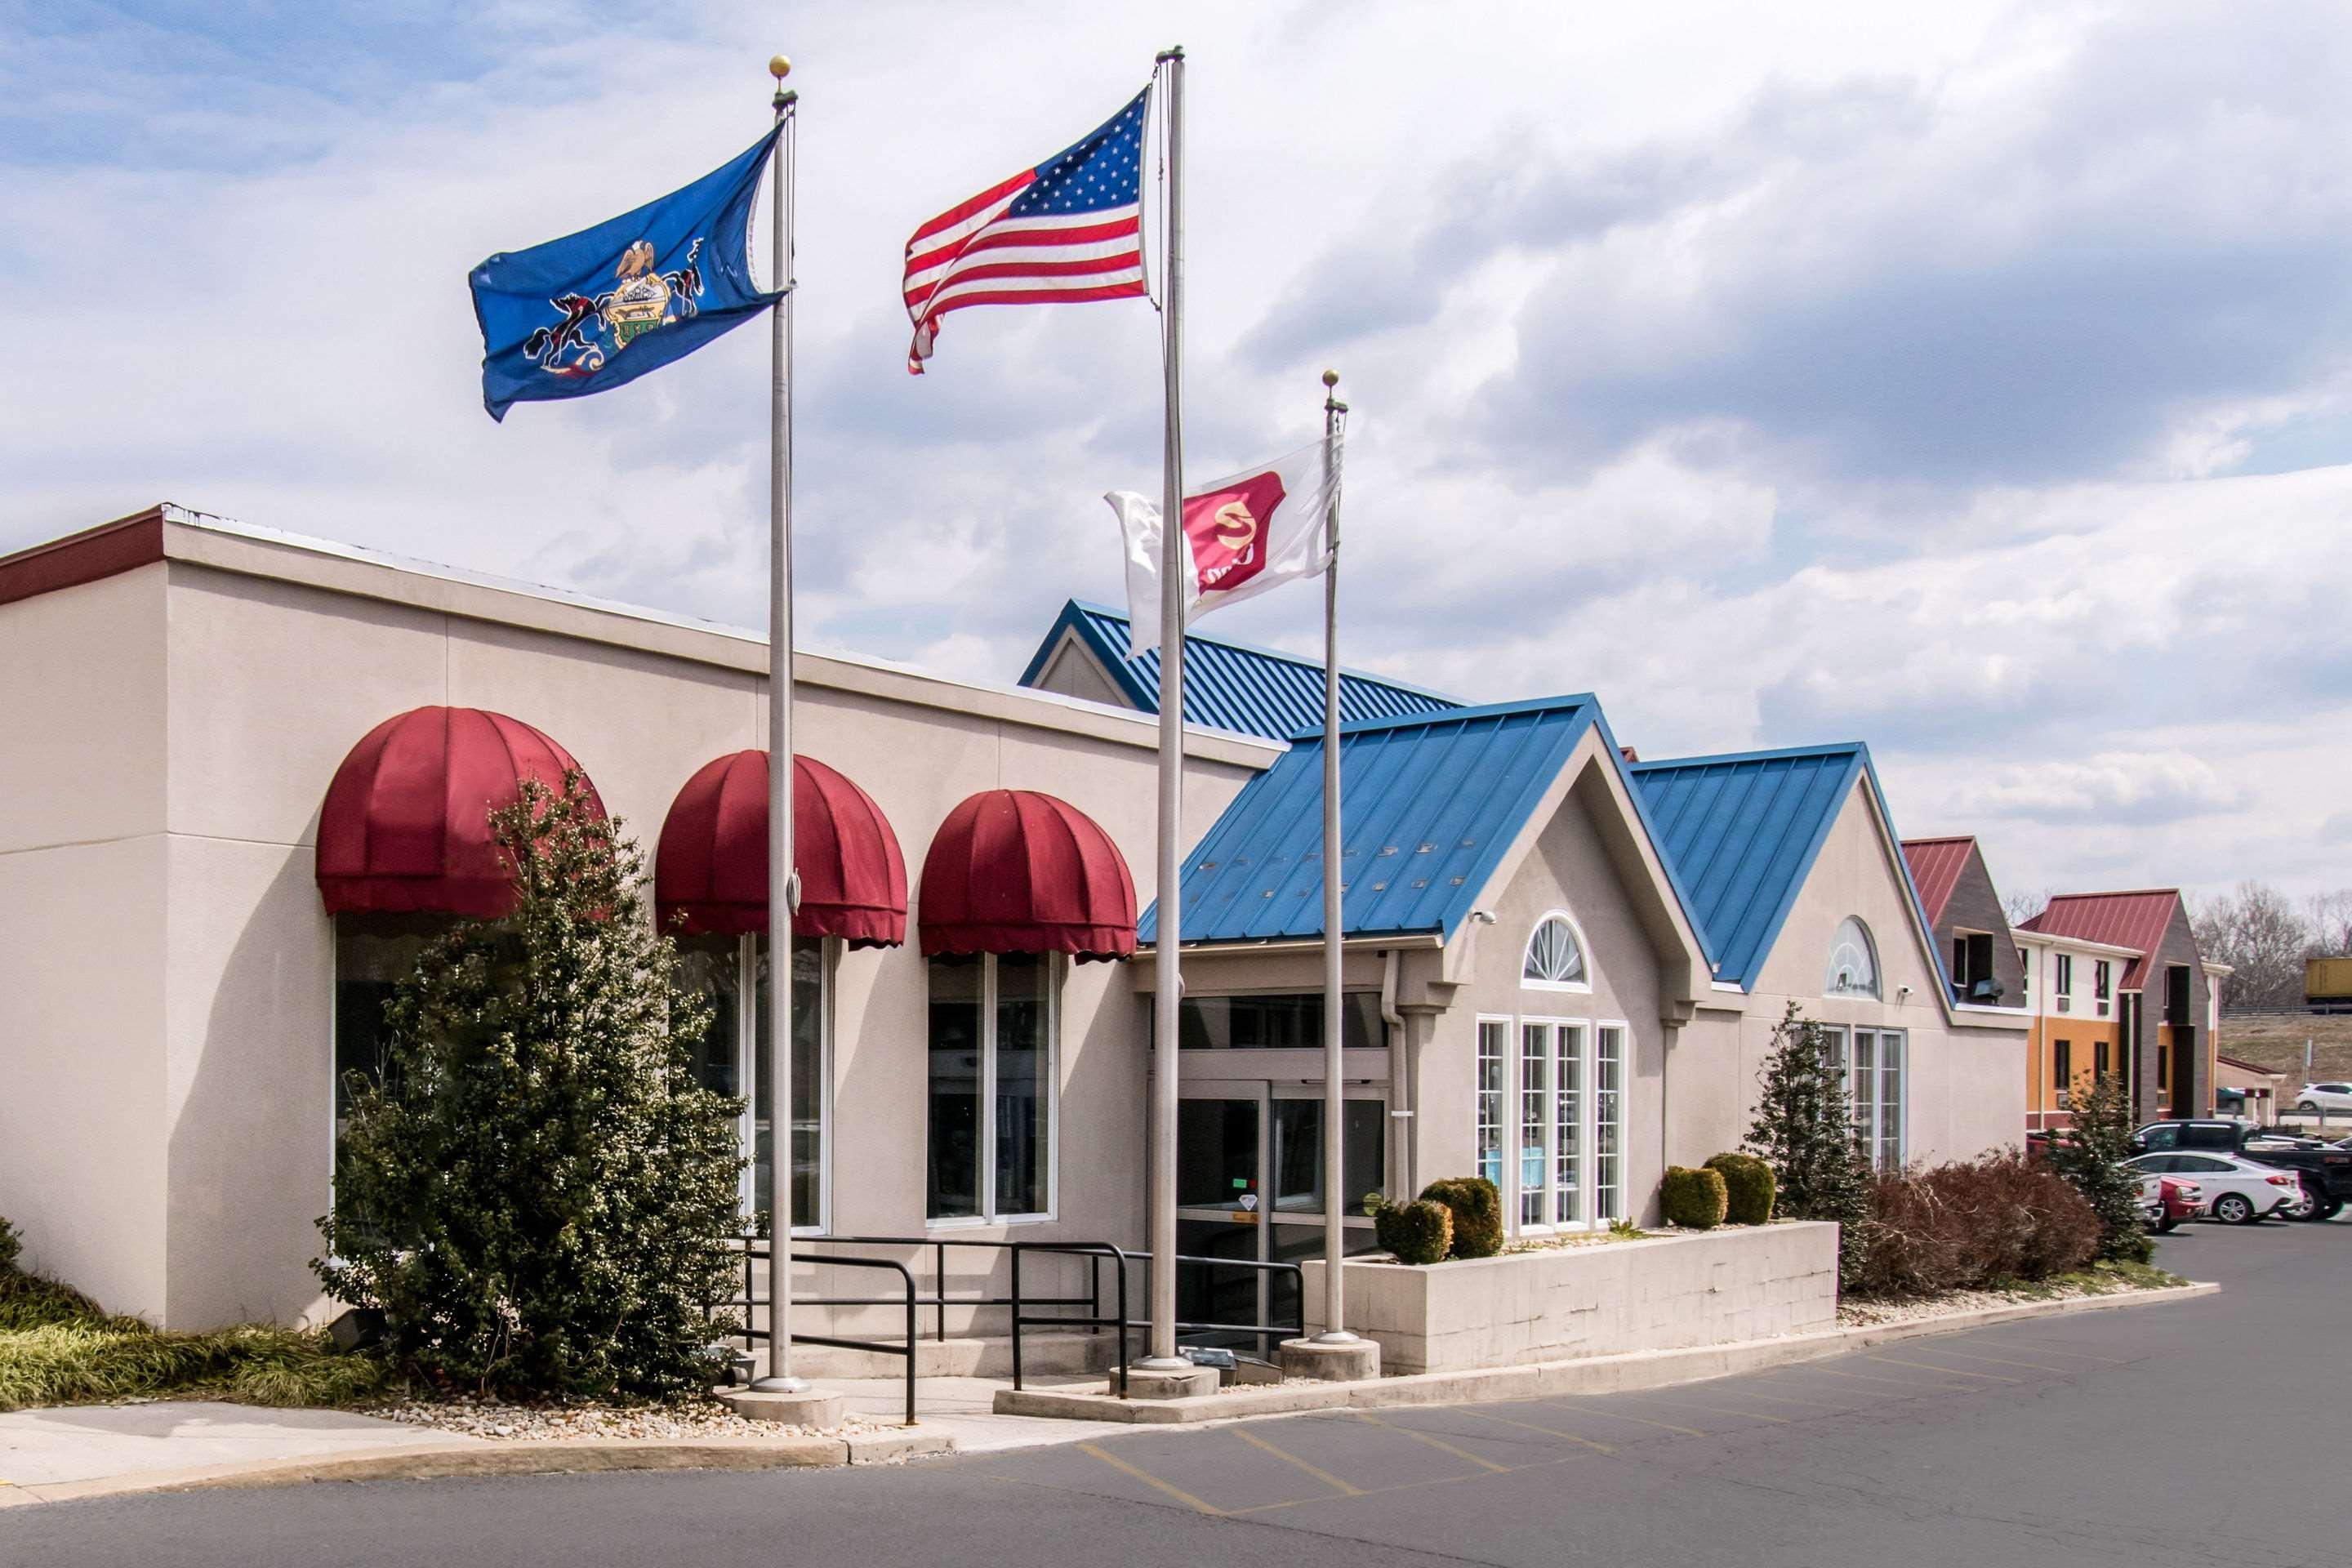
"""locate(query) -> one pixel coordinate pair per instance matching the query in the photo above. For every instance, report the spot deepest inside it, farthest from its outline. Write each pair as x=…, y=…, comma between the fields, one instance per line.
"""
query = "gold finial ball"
x=780, y=67
x=1330, y=378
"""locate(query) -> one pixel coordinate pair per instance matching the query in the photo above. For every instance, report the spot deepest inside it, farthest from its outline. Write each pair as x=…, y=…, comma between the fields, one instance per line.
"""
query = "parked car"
x=2167, y=1201
x=2237, y=1189
x=2330, y=1097
x=2324, y=1170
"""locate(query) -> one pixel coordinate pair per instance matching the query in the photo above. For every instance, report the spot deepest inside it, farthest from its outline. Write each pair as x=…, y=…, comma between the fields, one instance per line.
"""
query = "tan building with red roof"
x=2154, y=1004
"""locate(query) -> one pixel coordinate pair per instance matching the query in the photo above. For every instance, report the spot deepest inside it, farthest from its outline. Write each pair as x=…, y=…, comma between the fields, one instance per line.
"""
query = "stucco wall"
x=1967, y=1081
x=82, y=1127
x=205, y=1053
x=1567, y=869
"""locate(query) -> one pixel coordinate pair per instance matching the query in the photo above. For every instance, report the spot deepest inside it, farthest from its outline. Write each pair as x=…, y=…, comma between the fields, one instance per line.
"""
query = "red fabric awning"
x=406, y=823
x=711, y=865
x=1012, y=871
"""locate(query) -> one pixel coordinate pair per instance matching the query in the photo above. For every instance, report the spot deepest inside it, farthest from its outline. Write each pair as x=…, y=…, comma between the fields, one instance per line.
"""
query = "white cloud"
x=2139, y=788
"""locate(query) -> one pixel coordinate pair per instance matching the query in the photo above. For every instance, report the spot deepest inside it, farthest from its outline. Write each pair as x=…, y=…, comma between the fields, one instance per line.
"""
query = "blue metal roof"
x=1430, y=805
x=1742, y=832
x=1231, y=684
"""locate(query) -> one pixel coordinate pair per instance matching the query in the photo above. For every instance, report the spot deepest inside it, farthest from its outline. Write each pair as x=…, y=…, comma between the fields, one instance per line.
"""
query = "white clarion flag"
x=1246, y=533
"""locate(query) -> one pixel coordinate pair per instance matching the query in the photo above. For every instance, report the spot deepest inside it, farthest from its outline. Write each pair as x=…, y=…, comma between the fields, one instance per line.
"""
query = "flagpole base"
x=807, y=1407
x=1353, y=1359
x=1161, y=1363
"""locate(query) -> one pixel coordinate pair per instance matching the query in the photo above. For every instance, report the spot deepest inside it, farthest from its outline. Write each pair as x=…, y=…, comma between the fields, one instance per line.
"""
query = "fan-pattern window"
x=1554, y=955
x=1853, y=962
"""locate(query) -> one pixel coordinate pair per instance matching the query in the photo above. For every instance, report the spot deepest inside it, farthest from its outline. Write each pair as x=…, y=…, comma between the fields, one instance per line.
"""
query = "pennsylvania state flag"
x=593, y=310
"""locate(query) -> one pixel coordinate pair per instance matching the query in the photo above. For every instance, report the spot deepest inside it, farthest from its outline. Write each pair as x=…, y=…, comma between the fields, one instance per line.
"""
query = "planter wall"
x=1663, y=1293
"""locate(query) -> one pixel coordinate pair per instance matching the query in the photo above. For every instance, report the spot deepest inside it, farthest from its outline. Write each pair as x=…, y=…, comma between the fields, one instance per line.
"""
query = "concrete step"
x=1042, y=1355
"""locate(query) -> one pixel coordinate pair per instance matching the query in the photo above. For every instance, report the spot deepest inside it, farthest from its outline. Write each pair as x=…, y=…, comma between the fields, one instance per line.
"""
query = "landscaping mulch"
x=501, y=1421
x=2104, y=1279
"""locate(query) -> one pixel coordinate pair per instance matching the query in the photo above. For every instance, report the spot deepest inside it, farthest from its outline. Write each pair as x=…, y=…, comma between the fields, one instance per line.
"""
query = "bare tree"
x=2329, y=917
x=2263, y=936
x=2024, y=906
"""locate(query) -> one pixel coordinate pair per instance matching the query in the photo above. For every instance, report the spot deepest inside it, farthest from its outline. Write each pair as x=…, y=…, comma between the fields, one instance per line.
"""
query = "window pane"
x=809, y=1086
x=1568, y=1147
x=1298, y=1156
x=1608, y=1125
x=373, y=953
x=1493, y=1037
x=1363, y=1152
x=1890, y=1101
x=952, y=1174
x=1861, y=1075
x=1023, y=1088
x=1535, y=1121
x=1285, y=1022
x=1216, y=1152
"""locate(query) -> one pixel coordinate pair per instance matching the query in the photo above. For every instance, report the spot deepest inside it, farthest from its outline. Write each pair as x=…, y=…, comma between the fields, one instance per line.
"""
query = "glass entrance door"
x=1249, y=1186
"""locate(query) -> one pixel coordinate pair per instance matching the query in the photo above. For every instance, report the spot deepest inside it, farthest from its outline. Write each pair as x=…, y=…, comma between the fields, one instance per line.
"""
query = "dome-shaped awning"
x=1012, y=871
x=711, y=867
x=406, y=823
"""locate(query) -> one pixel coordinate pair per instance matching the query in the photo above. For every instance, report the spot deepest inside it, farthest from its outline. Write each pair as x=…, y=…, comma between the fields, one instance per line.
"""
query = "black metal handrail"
x=1296, y=1328
x=755, y=1250
x=938, y=1301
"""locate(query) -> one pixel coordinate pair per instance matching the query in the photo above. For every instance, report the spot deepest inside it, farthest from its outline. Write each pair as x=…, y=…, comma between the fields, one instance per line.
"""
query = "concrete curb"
x=426, y=1461
x=1544, y=1380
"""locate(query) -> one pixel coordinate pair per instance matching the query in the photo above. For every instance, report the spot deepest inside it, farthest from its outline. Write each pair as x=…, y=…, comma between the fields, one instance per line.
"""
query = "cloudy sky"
x=1973, y=380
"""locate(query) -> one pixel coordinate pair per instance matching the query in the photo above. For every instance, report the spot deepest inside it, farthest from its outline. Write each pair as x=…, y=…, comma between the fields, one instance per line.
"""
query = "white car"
x=2327, y=1097
x=2236, y=1190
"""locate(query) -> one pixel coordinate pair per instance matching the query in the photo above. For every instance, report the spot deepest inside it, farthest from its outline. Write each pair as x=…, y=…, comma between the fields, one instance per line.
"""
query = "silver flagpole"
x=1334, y=1195
x=778, y=1065
x=1175, y=573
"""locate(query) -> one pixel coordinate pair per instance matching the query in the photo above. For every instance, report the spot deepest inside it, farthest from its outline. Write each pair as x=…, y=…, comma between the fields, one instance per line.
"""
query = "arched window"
x=1853, y=962
x=1555, y=956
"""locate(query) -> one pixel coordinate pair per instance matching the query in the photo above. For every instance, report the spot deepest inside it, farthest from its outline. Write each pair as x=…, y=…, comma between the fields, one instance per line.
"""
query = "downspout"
x=1400, y=1070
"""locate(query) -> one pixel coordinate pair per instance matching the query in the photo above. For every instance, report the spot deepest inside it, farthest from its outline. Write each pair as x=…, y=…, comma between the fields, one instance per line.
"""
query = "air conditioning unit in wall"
x=2065, y=1004
x=2102, y=1009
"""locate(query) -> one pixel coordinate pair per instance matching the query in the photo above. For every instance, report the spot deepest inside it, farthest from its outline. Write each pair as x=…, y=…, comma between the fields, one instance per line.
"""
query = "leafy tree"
x=537, y=1196
x=2091, y=1154
x=1804, y=1130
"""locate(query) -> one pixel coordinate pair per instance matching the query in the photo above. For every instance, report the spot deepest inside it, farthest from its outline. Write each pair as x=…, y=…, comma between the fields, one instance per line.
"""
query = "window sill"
x=987, y=1222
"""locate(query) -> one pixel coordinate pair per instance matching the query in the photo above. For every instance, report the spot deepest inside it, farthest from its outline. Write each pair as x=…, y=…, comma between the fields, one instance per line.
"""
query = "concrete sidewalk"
x=99, y=1442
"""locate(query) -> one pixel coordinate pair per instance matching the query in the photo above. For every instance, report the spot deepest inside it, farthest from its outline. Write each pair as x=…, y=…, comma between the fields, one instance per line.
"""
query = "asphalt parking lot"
x=2194, y=1433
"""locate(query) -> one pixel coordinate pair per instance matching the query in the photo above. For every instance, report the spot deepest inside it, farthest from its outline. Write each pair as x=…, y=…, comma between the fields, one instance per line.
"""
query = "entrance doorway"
x=1249, y=1186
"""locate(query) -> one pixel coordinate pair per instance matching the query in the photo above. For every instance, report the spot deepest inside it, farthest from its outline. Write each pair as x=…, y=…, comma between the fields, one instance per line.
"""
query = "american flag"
x=1069, y=230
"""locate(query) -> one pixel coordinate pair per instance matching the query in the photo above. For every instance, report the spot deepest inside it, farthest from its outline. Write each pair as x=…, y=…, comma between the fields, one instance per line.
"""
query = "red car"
x=2166, y=1201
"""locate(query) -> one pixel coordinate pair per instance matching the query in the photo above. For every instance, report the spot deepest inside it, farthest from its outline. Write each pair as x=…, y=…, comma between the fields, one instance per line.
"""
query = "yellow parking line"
x=1663, y=1426
x=1531, y=1427
x=1897, y=1381
x=1434, y=1443
x=2004, y=1361
x=1726, y=1410
x=1179, y=1493
x=1953, y=1371
x=2047, y=1348
x=1325, y=1477
x=1787, y=1399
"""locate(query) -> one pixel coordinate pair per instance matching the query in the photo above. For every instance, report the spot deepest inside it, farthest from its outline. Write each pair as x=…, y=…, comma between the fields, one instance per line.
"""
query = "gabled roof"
x=1936, y=866
x=1232, y=685
x=1430, y=806
x=1742, y=831
x=2135, y=920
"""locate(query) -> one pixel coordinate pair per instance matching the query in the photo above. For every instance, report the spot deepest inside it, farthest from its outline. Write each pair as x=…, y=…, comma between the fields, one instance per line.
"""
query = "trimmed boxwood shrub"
x=1697, y=1200
x=1748, y=1181
x=1418, y=1232
x=1477, y=1210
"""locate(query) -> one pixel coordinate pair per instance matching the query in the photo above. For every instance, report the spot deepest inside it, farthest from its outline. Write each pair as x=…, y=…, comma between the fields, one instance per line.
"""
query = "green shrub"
x=2091, y=1153
x=1696, y=1200
x=1418, y=1232
x=1805, y=1131
x=123, y=1358
x=1748, y=1181
x=1477, y=1210
x=539, y=1198
x=11, y=1245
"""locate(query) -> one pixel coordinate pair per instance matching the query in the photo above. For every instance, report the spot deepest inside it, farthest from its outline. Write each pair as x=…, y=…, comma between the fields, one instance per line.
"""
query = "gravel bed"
x=687, y=1419
x=1853, y=1314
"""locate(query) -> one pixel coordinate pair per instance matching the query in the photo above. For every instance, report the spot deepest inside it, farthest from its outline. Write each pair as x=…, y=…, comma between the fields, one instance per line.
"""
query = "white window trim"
x=747, y=1073
x=1844, y=1033
x=988, y=1217
x=1588, y=1118
x=1583, y=949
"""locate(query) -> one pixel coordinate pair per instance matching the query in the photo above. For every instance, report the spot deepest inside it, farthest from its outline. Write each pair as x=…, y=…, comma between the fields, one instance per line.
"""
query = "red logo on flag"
x=1228, y=529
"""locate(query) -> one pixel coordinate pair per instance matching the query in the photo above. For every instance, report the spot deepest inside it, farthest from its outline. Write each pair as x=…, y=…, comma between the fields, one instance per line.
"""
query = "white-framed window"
x=1853, y=969
x=1875, y=1063
x=992, y=1101
x=1549, y=1114
x=2025, y=974
x=735, y=1048
x=1554, y=960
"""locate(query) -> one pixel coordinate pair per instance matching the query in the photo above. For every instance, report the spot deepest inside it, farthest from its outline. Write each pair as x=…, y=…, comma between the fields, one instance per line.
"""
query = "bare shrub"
x=1987, y=1221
